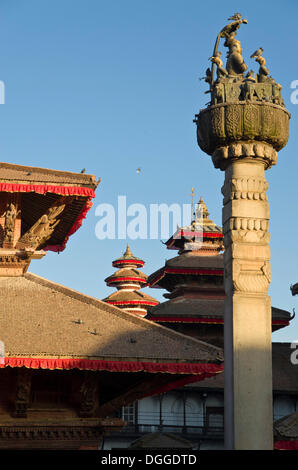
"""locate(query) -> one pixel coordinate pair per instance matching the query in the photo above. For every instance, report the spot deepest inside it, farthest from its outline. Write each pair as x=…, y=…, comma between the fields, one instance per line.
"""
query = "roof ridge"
x=15, y=166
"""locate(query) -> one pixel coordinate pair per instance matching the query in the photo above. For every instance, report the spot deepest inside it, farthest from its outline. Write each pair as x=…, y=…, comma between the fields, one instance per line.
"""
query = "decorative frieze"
x=245, y=188
x=50, y=433
x=249, y=125
x=253, y=151
x=246, y=223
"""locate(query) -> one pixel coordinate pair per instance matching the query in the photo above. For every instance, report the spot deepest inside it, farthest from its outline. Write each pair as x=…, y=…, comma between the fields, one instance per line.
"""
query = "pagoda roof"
x=127, y=297
x=187, y=264
x=127, y=274
x=46, y=325
x=204, y=311
x=201, y=228
x=287, y=427
x=128, y=259
x=11, y=173
x=43, y=190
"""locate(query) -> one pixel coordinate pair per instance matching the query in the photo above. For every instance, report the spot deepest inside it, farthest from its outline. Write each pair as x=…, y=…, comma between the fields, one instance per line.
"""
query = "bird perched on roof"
x=234, y=26
x=83, y=170
x=216, y=59
x=236, y=16
x=257, y=53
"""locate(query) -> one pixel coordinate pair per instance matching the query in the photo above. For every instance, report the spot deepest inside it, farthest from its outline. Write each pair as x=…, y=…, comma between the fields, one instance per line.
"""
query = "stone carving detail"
x=10, y=219
x=233, y=124
x=23, y=392
x=245, y=188
x=245, y=124
x=231, y=84
x=89, y=391
x=51, y=433
x=246, y=223
x=246, y=236
x=255, y=280
x=42, y=230
x=258, y=151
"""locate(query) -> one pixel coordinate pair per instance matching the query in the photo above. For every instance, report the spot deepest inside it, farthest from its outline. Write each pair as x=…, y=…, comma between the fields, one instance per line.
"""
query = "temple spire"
x=128, y=280
x=128, y=252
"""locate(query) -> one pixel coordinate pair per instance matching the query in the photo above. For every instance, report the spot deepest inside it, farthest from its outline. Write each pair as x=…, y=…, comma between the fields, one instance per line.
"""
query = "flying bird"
x=138, y=170
x=257, y=53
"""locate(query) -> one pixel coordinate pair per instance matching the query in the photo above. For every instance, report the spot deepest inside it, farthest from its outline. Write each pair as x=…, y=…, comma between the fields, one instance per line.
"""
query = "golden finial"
x=128, y=252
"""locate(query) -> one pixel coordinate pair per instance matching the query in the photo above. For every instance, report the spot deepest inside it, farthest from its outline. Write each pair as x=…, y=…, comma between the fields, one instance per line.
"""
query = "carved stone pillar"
x=247, y=316
x=243, y=138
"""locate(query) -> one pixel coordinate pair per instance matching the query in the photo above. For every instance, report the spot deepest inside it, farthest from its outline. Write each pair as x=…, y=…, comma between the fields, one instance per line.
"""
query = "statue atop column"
x=230, y=83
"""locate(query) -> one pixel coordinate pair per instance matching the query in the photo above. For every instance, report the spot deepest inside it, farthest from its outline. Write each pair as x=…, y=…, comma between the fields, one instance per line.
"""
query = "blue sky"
x=112, y=86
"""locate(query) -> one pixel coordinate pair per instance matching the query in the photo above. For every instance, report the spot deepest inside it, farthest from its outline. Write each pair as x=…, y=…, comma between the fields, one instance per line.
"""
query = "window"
x=129, y=413
x=214, y=417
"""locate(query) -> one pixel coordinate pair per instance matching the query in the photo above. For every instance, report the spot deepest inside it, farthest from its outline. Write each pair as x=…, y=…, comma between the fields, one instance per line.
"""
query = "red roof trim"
x=44, y=188
x=202, y=320
x=128, y=261
x=122, y=279
x=286, y=445
x=131, y=302
x=183, y=233
x=187, y=320
x=112, y=366
x=209, y=272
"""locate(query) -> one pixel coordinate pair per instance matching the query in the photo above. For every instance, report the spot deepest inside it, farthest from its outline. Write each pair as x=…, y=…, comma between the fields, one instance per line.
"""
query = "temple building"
x=194, y=307
x=128, y=280
x=69, y=361
x=194, y=280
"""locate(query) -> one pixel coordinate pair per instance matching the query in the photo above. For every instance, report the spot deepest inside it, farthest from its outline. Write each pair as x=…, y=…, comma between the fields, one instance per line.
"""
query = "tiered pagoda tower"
x=195, y=282
x=128, y=279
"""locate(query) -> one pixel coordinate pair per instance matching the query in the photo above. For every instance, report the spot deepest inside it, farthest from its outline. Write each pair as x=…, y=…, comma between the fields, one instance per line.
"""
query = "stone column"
x=243, y=138
x=247, y=316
